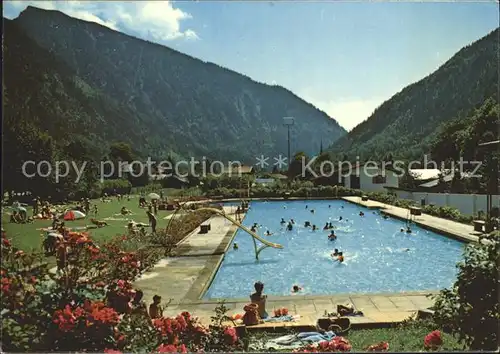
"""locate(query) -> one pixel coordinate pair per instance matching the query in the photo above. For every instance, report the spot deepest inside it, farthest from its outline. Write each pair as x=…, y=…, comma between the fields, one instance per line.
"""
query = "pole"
x=288, y=146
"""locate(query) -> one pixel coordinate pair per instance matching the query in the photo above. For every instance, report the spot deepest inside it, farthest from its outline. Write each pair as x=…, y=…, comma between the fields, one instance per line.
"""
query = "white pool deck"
x=184, y=277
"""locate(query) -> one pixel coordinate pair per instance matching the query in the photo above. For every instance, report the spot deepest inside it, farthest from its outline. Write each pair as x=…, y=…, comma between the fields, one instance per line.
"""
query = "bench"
x=478, y=225
x=364, y=198
x=415, y=211
x=170, y=206
x=205, y=227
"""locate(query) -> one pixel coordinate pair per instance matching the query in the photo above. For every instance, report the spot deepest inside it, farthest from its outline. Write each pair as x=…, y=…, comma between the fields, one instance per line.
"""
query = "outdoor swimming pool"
x=375, y=260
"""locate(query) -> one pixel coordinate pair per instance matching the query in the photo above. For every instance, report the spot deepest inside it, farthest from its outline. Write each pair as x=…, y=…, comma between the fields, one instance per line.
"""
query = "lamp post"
x=288, y=122
x=492, y=175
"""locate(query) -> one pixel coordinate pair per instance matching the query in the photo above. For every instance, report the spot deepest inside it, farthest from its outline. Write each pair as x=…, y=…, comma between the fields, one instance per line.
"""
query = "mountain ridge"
x=411, y=118
x=51, y=15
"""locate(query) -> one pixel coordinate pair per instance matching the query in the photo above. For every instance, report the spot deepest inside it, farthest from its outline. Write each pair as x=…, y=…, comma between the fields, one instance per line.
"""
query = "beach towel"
x=298, y=340
x=287, y=318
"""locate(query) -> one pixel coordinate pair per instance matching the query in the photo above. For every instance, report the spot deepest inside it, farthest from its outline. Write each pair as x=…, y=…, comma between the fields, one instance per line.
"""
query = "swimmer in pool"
x=268, y=233
x=330, y=226
x=312, y=211
x=340, y=257
x=329, y=206
x=332, y=236
x=335, y=253
x=296, y=289
x=290, y=226
x=385, y=217
x=340, y=218
x=402, y=230
x=408, y=230
x=307, y=224
x=235, y=246
x=325, y=227
x=314, y=228
x=282, y=221
x=342, y=207
x=292, y=221
x=361, y=213
x=306, y=206
x=253, y=229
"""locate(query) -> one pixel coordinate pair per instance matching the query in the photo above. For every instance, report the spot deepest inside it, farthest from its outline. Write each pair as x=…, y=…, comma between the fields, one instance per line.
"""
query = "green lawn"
x=406, y=337
x=28, y=236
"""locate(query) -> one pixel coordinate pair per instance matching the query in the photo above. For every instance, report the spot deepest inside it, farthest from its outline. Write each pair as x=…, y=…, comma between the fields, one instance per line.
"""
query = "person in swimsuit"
x=259, y=299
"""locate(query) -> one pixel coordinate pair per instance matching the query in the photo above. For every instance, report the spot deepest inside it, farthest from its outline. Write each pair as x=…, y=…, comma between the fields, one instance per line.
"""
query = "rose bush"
x=87, y=304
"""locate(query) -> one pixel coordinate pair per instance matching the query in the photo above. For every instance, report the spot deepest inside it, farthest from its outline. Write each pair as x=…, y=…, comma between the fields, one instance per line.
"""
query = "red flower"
x=170, y=348
x=379, y=347
x=186, y=315
x=230, y=336
x=6, y=242
x=433, y=340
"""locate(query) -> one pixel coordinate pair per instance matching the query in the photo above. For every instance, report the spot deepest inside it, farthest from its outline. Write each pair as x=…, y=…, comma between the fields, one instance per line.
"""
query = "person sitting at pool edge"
x=235, y=246
x=296, y=289
x=259, y=299
x=325, y=227
x=335, y=253
x=332, y=236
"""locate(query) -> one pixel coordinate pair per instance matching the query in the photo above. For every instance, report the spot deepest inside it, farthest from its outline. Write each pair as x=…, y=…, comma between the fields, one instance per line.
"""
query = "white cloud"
x=156, y=21
x=349, y=112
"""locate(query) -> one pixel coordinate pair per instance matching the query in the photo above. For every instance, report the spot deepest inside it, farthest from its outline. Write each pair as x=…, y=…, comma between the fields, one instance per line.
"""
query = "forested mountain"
x=161, y=101
x=406, y=125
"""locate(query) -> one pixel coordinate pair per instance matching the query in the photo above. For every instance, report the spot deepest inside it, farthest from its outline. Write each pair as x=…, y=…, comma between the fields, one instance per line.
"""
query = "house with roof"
x=238, y=170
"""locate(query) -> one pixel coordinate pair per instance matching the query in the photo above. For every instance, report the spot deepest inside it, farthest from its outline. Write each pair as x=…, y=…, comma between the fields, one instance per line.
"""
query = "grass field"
x=29, y=237
x=406, y=337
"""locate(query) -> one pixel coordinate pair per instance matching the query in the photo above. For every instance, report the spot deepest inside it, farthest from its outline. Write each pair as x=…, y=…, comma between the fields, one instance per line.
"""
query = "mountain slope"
x=407, y=123
x=182, y=105
x=47, y=107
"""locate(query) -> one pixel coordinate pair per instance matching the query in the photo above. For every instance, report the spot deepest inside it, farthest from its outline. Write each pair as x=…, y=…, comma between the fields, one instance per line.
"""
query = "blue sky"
x=344, y=57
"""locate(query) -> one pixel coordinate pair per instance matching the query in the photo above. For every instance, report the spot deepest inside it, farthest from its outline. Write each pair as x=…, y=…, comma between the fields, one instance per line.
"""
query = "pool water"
x=373, y=247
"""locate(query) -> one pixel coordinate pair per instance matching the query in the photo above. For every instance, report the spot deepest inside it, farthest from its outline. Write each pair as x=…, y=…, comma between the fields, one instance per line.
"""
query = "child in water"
x=314, y=228
x=282, y=221
x=268, y=233
x=296, y=289
x=335, y=253
x=330, y=226
x=325, y=227
x=235, y=246
x=332, y=236
x=290, y=226
x=340, y=257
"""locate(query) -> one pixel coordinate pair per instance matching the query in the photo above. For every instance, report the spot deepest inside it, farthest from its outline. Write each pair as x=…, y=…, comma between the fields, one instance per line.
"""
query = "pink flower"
x=230, y=336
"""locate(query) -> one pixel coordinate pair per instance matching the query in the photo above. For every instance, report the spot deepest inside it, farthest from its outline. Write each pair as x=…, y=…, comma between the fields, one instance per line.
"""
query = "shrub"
x=471, y=308
x=120, y=186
